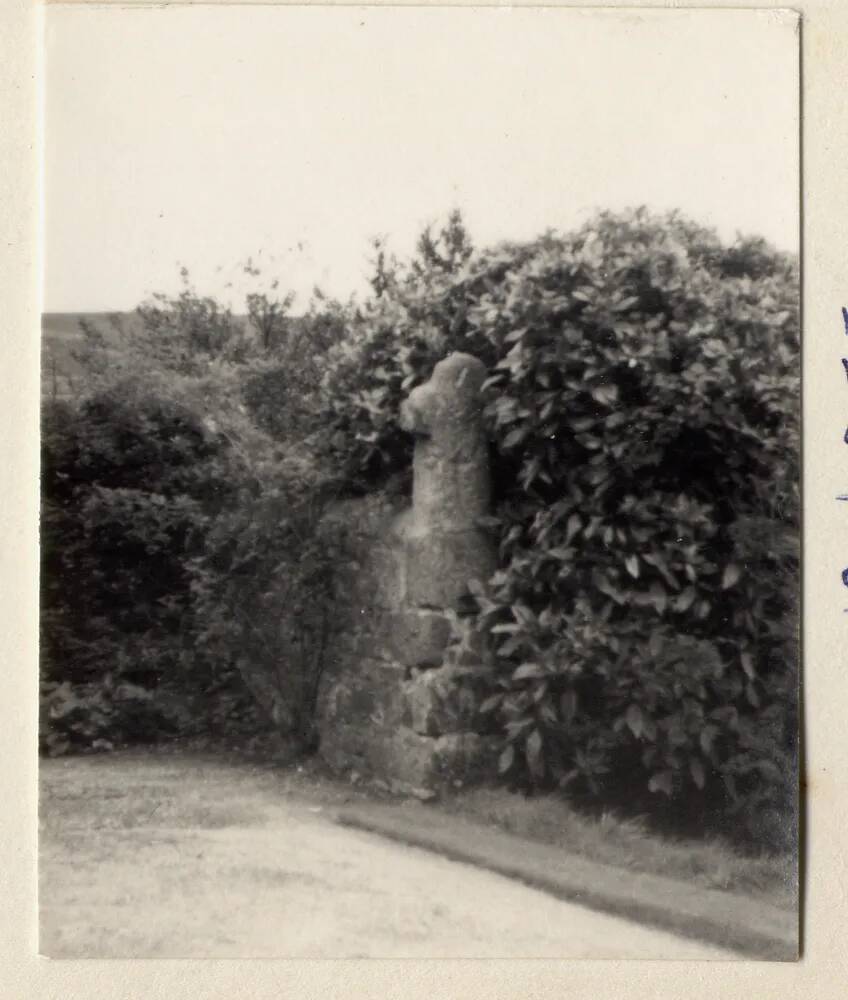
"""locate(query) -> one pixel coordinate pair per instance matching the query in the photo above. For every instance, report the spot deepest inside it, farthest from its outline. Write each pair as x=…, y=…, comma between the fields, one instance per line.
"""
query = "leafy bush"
x=175, y=493
x=281, y=389
x=182, y=332
x=642, y=403
x=131, y=481
x=125, y=477
x=262, y=591
x=97, y=716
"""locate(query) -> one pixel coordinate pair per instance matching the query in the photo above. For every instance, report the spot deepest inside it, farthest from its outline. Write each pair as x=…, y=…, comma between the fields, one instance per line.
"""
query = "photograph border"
x=821, y=970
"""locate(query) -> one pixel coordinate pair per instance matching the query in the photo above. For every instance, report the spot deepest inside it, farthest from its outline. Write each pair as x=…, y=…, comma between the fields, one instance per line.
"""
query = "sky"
x=201, y=136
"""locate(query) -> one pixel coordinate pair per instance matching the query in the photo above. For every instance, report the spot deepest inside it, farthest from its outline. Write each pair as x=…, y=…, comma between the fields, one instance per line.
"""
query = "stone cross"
x=391, y=701
x=451, y=484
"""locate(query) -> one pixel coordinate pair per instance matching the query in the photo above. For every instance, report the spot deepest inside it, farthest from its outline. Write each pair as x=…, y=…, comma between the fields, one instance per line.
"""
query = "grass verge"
x=712, y=863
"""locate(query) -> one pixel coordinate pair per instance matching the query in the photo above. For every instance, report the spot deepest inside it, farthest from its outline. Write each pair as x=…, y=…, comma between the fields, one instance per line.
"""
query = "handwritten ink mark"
x=844, y=497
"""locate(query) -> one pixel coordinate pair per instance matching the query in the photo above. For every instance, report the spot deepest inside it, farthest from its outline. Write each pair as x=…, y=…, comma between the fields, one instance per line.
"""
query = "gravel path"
x=151, y=856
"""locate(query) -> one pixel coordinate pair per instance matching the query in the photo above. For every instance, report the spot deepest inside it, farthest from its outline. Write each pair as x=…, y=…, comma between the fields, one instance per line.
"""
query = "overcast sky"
x=204, y=135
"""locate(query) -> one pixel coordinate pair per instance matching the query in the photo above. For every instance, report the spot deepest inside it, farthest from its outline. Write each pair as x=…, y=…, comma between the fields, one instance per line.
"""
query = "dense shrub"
x=643, y=407
x=177, y=522
x=263, y=592
x=127, y=482
x=131, y=481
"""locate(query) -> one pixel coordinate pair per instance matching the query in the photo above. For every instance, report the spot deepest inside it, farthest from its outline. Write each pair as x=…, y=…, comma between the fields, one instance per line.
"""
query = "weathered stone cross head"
x=450, y=466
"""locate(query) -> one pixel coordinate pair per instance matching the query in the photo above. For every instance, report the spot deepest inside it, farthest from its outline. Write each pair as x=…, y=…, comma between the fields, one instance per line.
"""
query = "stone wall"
x=390, y=705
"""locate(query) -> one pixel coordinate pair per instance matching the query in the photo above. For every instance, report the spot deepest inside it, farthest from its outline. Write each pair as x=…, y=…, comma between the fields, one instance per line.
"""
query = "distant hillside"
x=58, y=330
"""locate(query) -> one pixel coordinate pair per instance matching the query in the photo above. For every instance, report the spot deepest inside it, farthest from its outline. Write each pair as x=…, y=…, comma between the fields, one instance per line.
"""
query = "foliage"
x=174, y=487
x=262, y=590
x=182, y=332
x=444, y=254
x=100, y=715
x=281, y=390
x=642, y=402
x=416, y=316
x=131, y=481
x=266, y=312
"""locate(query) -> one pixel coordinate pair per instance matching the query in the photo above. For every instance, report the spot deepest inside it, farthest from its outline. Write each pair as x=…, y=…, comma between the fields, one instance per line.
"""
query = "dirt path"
x=151, y=856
